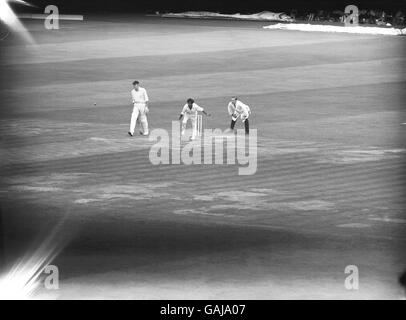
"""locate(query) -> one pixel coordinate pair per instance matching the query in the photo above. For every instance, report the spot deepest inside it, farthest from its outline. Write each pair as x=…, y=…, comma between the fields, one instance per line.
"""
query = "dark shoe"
x=130, y=134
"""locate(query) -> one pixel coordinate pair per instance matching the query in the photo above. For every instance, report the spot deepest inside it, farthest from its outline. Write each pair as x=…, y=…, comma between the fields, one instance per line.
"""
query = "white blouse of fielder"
x=237, y=109
x=140, y=110
x=190, y=111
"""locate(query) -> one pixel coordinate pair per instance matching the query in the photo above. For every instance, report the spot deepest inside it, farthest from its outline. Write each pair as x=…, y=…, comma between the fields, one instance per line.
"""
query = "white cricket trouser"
x=139, y=111
x=193, y=119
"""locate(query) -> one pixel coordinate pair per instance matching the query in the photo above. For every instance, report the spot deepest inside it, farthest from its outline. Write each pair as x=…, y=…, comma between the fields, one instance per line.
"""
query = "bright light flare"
x=18, y=285
x=22, y=2
x=10, y=19
x=24, y=278
x=21, y=282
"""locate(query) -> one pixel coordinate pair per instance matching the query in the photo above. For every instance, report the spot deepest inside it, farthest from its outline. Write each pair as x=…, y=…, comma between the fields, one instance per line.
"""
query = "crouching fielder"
x=190, y=111
x=140, y=100
x=237, y=109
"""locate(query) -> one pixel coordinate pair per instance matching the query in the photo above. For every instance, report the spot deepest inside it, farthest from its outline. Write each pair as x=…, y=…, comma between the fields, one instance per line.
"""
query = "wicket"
x=199, y=125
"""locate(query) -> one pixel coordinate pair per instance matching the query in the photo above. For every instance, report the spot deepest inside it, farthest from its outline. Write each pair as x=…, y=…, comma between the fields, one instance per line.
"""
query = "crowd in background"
x=365, y=16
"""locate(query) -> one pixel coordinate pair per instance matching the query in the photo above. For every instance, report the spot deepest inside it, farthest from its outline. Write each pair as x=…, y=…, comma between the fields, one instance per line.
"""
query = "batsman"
x=140, y=110
x=190, y=111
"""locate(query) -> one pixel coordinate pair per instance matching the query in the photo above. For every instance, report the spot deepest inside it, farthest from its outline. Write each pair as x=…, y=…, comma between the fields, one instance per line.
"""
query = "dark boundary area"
x=254, y=309
x=224, y=6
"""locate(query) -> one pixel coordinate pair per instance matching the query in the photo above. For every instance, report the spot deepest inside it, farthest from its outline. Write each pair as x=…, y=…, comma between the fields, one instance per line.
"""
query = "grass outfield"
x=329, y=190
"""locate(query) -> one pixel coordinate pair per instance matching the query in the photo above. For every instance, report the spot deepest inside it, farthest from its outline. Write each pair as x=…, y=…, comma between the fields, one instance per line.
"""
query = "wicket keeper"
x=237, y=109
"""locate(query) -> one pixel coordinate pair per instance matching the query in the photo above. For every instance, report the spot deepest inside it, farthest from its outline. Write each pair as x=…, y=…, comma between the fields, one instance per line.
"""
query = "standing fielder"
x=238, y=109
x=140, y=100
x=190, y=111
